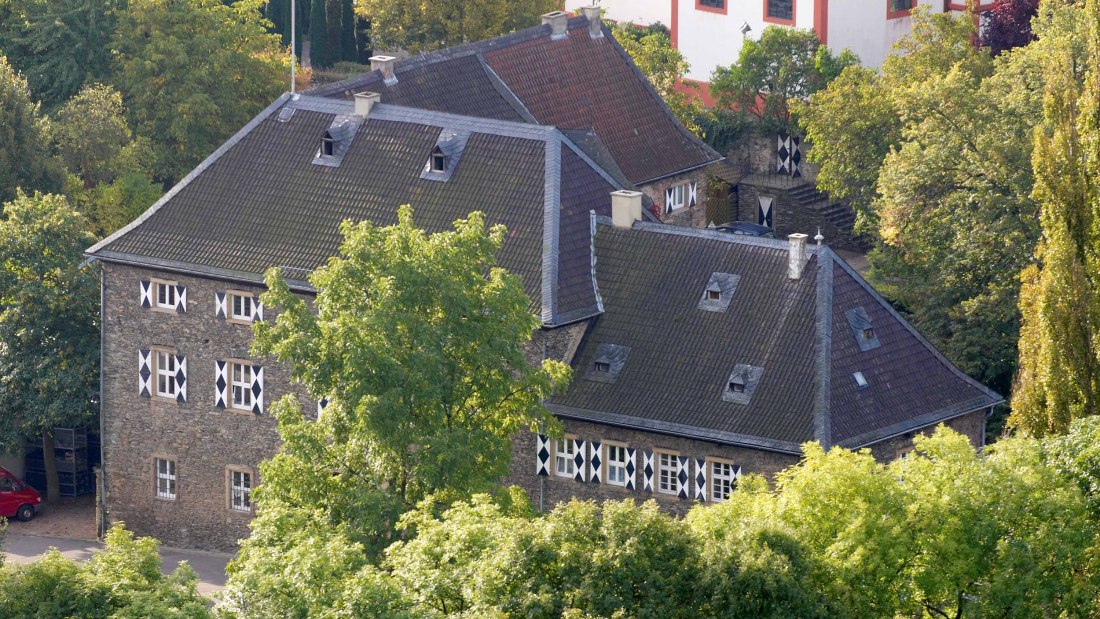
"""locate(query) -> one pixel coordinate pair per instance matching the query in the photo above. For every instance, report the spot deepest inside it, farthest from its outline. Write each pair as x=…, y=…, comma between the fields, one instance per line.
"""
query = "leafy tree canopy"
x=192, y=73
x=418, y=26
x=25, y=158
x=663, y=65
x=784, y=64
x=59, y=45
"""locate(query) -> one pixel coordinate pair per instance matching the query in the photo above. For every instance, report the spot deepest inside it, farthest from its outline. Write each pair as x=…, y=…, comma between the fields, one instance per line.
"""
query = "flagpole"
x=293, y=43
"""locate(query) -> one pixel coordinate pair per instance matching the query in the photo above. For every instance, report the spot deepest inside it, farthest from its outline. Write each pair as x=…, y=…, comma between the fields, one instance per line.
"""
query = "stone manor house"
x=699, y=356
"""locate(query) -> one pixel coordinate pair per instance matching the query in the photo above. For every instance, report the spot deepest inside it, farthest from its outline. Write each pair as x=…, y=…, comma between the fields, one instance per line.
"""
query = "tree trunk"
x=53, y=492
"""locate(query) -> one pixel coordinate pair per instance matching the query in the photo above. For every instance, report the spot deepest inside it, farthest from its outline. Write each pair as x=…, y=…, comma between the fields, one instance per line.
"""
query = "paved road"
x=210, y=566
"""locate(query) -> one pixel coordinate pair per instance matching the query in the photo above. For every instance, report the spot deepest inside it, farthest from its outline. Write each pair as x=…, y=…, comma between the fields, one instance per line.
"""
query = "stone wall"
x=971, y=425
x=789, y=217
x=202, y=439
x=693, y=216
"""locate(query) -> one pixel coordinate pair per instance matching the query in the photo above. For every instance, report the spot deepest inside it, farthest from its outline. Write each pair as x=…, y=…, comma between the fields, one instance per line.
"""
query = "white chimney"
x=593, y=15
x=364, y=101
x=559, y=24
x=626, y=208
x=385, y=65
x=797, y=257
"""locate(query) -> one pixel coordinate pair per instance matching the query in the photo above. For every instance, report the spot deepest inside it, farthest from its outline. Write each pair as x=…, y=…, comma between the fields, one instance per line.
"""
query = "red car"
x=16, y=498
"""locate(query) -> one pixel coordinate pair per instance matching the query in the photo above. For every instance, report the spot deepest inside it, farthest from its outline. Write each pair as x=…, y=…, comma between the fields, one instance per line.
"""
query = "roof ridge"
x=823, y=360
x=206, y=163
x=716, y=235
x=913, y=330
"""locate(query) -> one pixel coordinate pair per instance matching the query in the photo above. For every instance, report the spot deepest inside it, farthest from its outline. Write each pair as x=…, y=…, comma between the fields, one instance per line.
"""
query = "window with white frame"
x=667, y=480
x=167, y=373
x=564, y=454
x=616, y=464
x=721, y=480
x=166, y=479
x=240, y=306
x=676, y=197
x=241, y=380
x=166, y=295
x=240, y=490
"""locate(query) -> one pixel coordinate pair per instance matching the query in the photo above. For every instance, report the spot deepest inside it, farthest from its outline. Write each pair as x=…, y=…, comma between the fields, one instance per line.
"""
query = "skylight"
x=861, y=380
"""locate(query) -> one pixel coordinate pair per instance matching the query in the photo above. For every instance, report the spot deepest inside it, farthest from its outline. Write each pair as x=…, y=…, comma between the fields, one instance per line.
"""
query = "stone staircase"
x=838, y=214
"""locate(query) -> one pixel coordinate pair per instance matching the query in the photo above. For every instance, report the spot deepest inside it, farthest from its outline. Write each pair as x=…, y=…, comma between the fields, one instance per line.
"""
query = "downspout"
x=101, y=491
x=542, y=479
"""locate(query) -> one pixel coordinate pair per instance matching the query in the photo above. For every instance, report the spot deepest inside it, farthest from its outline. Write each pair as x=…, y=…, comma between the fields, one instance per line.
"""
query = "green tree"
x=59, y=45
x=663, y=65
x=424, y=26
x=1059, y=377
x=349, y=52
x=49, y=336
x=785, y=64
x=122, y=580
x=192, y=72
x=318, y=36
x=25, y=159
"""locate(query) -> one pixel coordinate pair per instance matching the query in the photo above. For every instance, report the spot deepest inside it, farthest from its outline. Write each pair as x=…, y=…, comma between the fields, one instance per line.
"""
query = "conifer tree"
x=318, y=33
x=1059, y=377
x=347, y=31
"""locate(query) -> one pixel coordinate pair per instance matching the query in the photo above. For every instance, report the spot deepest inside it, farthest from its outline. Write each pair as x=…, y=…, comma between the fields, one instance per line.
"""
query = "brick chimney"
x=594, y=21
x=797, y=257
x=626, y=208
x=365, y=101
x=559, y=24
x=385, y=65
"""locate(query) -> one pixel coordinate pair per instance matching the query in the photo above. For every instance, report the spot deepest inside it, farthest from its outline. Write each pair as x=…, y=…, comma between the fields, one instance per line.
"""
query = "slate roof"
x=260, y=201
x=578, y=82
x=681, y=357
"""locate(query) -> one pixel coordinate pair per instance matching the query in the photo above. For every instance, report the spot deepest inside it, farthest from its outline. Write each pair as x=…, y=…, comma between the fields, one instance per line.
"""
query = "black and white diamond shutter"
x=682, y=476
x=668, y=200
x=257, y=310
x=736, y=478
x=693, y=193
x=630, y=468
x=181, y=378
x=542, y=455
x=788, y=155
x=221, y=383
x=257, y=389
x=596, y=463
x=146, y=293
x=220, y=308
x=181, y=298
x=700, y=479
x=581, y=473
x=145, y=372
x=647, y=471
x=322, y=404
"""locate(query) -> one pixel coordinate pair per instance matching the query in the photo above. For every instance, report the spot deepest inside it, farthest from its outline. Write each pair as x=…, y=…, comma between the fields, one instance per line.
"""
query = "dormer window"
x=337, y=139
x=603, y=366
x=328, y=145
x=868, y=334
x=737, y=385
x=714, y=295
x=742, y=383
x=607, y=363
x=862, y=329
x=718, y=292
x=439, y=161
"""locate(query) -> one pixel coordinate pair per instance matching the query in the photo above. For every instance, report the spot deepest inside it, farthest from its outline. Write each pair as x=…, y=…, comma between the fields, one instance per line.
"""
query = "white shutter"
x=181, y=298
x=257, y=389
x=701, y=479
x=579, y=460
x=146, y=293
x=682, y=476
x=542, y=455
x=145, y=372
x=221, y=384
x=647, y=471
x=630, y=468
x=181, y=378
x=692, y=192
x=257, y=310
x=322, y=404
x=221, y=309
x=596, y=472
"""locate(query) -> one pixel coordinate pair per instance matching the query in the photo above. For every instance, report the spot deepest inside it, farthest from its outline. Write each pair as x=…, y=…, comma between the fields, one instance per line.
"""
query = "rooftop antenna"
x=818, y=237
x=293, y=43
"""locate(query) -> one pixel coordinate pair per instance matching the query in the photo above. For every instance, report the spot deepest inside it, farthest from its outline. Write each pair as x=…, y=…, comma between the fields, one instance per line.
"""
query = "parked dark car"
x=17, y=500
x=744, y=228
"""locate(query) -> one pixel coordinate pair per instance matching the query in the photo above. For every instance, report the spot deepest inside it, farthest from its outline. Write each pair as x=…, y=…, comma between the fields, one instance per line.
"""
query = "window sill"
x=164, y=310
x=164, y=499
x=239, y=321
x=710, y=9
x=240, y=411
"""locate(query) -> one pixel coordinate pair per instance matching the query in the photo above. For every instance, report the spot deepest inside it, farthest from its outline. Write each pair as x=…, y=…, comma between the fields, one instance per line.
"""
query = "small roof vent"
x=336, y=140
x=742, y=383
x=862, y=329
x=444, y=156
x=861, y=380
x=719, y=292
x=607, y=363
x=286, y=114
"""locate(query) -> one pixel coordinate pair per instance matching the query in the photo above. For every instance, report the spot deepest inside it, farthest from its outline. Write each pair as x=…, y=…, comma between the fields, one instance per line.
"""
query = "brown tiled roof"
x=578, y=82
x=651, y=279
x=260, y=201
